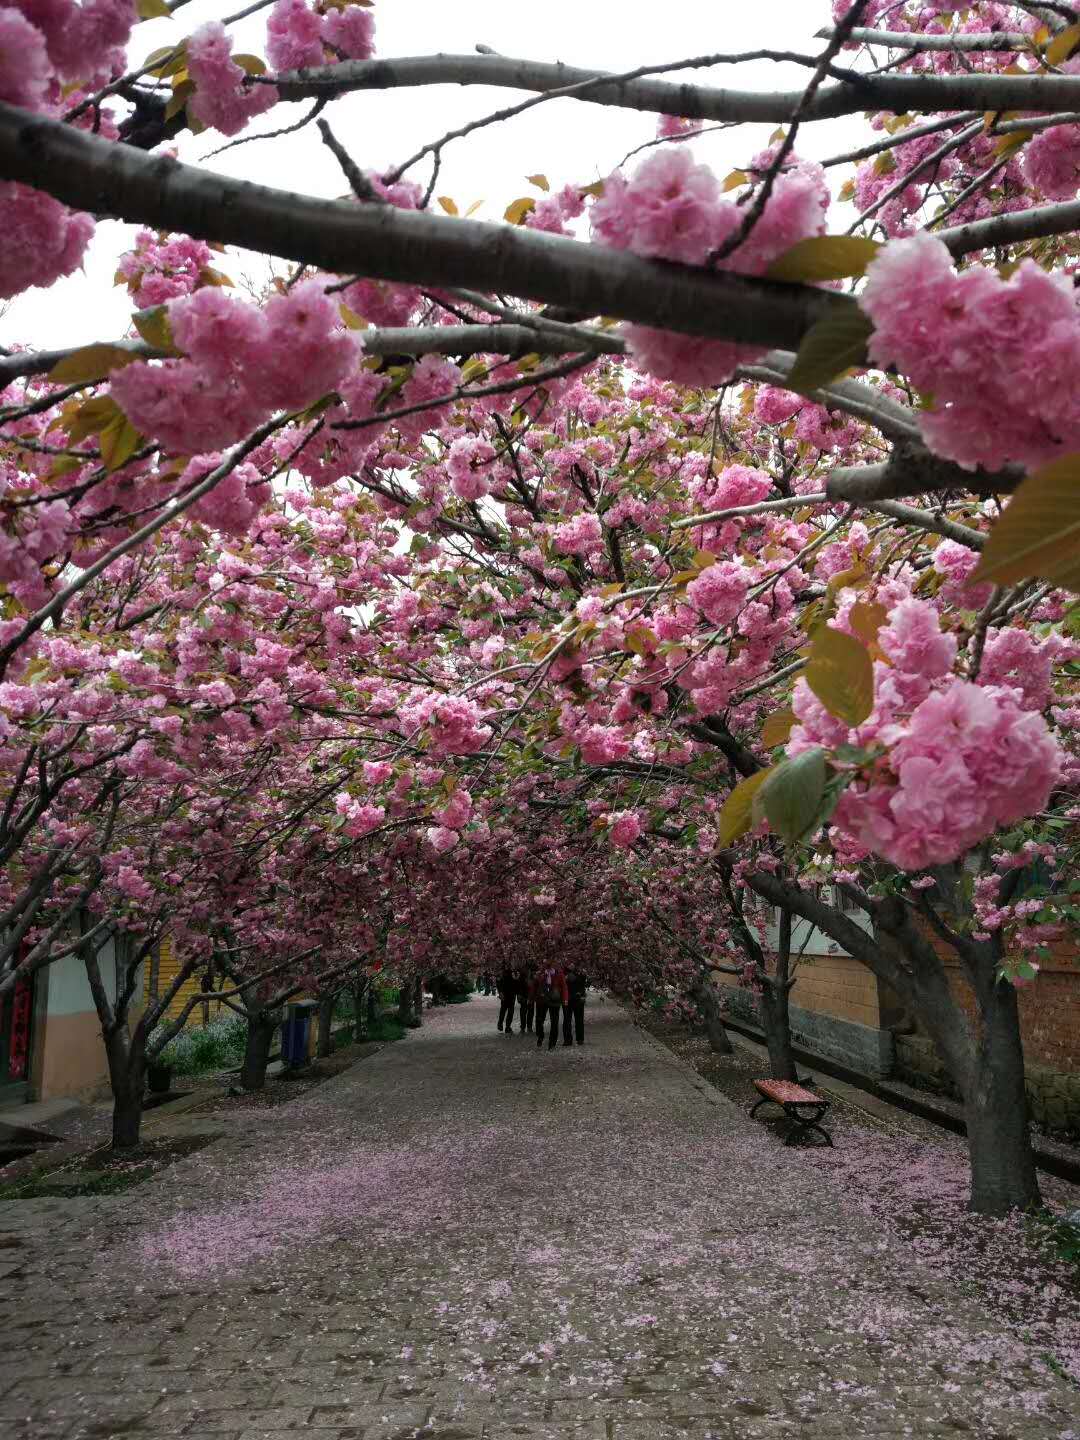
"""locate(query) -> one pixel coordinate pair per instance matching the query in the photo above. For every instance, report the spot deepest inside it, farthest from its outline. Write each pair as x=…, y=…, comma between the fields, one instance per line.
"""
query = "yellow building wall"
x=833, y=985
x=167, y=969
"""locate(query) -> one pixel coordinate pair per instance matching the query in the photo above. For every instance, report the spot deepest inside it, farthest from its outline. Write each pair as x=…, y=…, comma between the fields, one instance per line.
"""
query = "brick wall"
x=1049, y=1009
x=837, y=993
x=833, y=985
x=837, y=985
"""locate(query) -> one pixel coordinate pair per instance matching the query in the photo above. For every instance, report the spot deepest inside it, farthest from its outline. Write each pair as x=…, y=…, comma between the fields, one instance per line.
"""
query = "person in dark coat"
x=549, y=994
x=527, y=1005
x=507, y=998
x=573, y=1015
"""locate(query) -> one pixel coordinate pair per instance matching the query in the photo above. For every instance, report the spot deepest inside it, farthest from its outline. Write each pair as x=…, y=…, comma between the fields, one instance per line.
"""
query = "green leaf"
x=92, y=362
x=1062, y=45
x=90, y=418
x=119, y=441
x=777, y=728
x=831, y=346
x=517, y=210
x=152, y=10
x=866, y=619
x=250, y=64
x=841, y=675
x=1039, y=532
x=183, y=90
x=65, y=465
x=153, y=326
x=824, y=257
x=736, y=816
x=540, y=181
x=791, y=799
x=167, y=60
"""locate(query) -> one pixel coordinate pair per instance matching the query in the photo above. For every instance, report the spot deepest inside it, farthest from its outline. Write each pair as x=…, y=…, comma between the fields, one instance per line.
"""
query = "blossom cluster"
x=300, y=37
x=673, y=208
x=950, y=760
x=242, y=363
x=980, y=348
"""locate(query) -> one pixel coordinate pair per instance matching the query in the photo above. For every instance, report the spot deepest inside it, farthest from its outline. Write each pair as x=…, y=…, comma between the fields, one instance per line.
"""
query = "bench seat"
x=805, y=1108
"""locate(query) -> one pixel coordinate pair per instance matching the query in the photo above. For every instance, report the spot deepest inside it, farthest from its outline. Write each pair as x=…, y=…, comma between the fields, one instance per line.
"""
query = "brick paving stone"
x=588, y=1244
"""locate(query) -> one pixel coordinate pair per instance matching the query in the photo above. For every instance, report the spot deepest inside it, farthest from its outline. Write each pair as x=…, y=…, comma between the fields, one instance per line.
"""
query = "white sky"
x=568, y=140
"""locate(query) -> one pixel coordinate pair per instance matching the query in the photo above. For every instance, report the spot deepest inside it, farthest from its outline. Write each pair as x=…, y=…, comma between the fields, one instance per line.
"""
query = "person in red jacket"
x=550, y=994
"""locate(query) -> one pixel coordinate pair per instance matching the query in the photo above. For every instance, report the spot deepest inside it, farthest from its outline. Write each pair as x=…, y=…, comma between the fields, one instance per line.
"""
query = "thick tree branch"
x=1012, y=229
x=912, y=470
x=391, y=244
x=905, y=40
x=899, y=93
x=510, y=340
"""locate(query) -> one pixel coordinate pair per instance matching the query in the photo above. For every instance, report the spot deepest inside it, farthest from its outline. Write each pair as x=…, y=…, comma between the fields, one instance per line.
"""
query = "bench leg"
x=801, y=1126
x=765, y=1100
x=804, y=1123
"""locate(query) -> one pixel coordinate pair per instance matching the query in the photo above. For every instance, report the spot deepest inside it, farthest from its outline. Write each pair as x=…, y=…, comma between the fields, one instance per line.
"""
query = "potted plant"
x=159, y=1066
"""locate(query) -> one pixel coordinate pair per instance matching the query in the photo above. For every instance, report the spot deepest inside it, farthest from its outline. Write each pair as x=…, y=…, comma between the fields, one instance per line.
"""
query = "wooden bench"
x=802, y=1106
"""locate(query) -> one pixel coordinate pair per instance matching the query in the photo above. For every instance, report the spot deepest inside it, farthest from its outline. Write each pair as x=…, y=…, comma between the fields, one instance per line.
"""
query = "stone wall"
x=1053, y=1095
x=844, y=1014
x=863, y=1048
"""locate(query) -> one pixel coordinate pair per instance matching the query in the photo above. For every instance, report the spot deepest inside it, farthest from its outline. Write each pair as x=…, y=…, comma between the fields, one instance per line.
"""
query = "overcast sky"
x=567, y=140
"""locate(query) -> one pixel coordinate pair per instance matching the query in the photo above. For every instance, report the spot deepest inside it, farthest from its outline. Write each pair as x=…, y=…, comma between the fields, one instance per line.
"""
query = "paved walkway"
x=466, y=1238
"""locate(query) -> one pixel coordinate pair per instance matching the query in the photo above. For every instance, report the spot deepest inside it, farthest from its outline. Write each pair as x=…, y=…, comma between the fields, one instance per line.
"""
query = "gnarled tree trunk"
x=127, y=1077
x=261, y=1027
x=705, y=997
x=404, y=1009
x=326, y=1024
x=775, y=994
x=985, y=1061
x=1003, y=1175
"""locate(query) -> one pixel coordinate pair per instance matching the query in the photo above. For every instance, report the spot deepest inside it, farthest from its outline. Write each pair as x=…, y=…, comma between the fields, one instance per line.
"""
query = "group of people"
x=539, y=999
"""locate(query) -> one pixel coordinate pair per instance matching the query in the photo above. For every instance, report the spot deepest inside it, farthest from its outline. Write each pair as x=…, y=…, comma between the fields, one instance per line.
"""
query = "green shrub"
x=199, y=1048
x=385, y=1028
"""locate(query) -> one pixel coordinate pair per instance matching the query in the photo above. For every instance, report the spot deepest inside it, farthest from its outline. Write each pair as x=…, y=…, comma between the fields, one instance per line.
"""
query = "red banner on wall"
x=19, y=1037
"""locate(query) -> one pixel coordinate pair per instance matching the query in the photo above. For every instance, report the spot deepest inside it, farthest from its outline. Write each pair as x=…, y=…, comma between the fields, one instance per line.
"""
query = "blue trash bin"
x=294, y=1034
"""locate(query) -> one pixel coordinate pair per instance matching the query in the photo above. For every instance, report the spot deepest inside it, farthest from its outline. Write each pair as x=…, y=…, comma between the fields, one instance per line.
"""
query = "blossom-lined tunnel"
x=620, y=578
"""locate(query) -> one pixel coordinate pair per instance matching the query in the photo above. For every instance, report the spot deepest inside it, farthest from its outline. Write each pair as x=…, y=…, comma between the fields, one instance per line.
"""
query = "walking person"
x=573, y=1015
x=526, y=1003
x=507, y=999
x=549, y=994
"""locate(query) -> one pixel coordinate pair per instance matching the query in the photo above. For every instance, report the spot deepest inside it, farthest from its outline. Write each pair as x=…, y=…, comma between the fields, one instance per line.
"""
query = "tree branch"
x=899, y=93
x=391, y=244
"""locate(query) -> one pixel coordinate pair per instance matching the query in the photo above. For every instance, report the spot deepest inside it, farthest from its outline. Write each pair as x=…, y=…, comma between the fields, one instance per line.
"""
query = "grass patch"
x=103, y=1171
x=1061, y=1235
x=384, y=1029
x=201, y=1049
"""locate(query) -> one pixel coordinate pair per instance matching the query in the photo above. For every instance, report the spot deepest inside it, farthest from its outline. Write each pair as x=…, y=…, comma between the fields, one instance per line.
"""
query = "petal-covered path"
x=462, y=1237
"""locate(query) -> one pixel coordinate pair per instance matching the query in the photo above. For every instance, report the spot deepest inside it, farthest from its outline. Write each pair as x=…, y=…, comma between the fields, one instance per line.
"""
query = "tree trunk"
x=257, y=1051
x=418, y=1005
x=404, y=1008
x=985, y=1060
x=704, y=994
x=326, y=1021
x=1003, y=1176
x=372, y=1012
x=774, y=1019
x=775, y=994
x=127, y=1077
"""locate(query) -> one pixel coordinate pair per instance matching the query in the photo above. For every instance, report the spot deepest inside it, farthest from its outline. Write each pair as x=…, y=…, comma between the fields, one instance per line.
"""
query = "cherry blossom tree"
x=483, y=590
